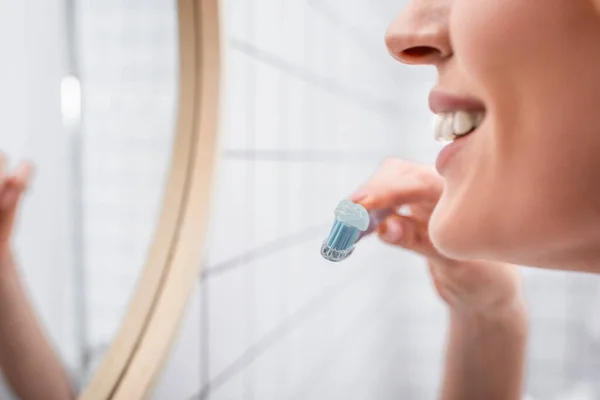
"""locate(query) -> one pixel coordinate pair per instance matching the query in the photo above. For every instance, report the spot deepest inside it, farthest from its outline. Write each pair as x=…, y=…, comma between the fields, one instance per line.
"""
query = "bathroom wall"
x=312, y=104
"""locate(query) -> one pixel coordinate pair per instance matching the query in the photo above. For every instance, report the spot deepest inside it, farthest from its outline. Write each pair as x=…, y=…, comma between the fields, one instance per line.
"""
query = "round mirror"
x=104, y=188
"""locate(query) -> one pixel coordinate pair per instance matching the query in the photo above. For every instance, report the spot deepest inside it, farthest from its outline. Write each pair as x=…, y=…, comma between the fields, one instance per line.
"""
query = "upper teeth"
x=450, y=125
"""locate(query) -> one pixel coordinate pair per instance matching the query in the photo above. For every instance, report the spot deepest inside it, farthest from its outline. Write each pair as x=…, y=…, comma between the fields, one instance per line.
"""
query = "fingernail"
x=361, y=198
x=391, y=232
x=367, y=202
x=358, y=196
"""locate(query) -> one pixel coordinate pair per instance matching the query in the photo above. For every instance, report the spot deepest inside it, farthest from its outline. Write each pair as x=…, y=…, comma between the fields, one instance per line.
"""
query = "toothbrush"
x=352, y=223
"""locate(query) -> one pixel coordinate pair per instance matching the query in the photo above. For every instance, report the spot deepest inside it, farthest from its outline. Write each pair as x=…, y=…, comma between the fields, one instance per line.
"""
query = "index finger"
x=398, y=182
x=21, y=177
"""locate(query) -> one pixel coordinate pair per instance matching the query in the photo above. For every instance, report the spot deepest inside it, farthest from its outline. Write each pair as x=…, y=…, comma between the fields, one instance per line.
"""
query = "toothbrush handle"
x=376, y=217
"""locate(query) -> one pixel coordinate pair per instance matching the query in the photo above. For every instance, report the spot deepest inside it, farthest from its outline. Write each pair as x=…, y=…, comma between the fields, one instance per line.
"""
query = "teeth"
x=451, y=125
x=463, y=123
x=447, y=133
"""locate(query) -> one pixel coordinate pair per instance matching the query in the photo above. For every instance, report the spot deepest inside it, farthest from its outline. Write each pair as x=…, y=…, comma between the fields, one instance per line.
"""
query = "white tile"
x=230, y=233
x=326, y=120
x=268, y=309
x=229, y=320
x=269, y=210
x=295, y=134
x=305, y=276
x=307, y=351
x=547, y=378
x=326, y=49
x=548, y=340
x=235, y=119
x=270, y=373
x=293, y=33
x=233, y=389
x=352, y=300
x=554, y=304
x=352, y=135
x=267, y=107
x=326, y=189
x=237, y=18
x=315, y=45
x=183, y=376
x=296, y=195
x=309, y=187
x=267, y=18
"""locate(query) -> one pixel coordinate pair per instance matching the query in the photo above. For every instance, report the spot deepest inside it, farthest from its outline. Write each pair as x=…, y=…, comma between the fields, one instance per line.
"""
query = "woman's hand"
x=466, y=286
x=12, y=186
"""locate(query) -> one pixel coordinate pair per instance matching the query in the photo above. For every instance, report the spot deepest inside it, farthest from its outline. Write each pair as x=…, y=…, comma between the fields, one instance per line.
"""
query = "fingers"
x=398, y=182
x=14, y=185
x=22, y=176
x=407, y=233
x=2, y=167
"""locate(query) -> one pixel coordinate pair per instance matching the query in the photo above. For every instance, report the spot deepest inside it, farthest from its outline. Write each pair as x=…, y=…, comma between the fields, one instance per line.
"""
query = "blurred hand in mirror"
x=26, y=356
x=13, y=186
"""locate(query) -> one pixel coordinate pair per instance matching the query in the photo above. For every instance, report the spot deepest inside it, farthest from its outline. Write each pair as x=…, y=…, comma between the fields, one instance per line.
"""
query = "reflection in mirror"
x=90, y=97
x=126, y=54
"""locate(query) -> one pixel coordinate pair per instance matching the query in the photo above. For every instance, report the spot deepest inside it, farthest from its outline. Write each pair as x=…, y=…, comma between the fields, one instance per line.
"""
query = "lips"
x=441, y=103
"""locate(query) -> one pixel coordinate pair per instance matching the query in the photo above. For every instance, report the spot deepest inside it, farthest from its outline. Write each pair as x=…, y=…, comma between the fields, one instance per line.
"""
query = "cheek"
x=526, y=179
x=509, y=47
x=509, y=206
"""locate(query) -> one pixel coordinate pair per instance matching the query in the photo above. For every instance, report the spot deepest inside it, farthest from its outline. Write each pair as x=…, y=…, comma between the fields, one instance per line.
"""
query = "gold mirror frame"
x=141, y=346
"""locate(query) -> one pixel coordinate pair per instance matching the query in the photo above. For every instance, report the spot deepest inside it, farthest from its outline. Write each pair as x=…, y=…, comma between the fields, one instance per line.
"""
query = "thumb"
x=407, y=233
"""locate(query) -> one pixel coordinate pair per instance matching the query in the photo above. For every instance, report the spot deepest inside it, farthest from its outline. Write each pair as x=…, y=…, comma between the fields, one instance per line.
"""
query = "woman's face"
x=524, y=186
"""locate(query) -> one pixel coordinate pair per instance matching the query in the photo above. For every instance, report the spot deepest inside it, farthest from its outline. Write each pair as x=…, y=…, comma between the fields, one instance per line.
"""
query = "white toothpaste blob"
x=352, y=214
x=350, y=221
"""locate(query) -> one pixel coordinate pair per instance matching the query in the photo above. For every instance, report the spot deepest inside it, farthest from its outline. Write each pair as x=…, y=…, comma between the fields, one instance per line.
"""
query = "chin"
x=460, y=235
x=455, y=235
x=445, y=240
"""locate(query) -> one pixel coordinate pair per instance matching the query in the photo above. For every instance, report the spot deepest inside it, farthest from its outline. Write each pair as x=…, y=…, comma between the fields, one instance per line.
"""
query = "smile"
x=456, y=118
x=452, y=125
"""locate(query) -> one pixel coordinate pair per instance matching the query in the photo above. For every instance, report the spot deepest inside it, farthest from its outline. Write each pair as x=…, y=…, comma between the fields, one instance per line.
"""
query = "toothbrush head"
x=350, y=220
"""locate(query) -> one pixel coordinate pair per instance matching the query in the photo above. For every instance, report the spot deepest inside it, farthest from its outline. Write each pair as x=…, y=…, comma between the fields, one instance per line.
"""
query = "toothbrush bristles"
x=340, y=242
x=342, y=236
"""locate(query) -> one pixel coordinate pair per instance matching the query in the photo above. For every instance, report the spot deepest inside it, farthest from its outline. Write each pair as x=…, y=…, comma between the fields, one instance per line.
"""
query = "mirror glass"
x=126, y=53
x=89, y=96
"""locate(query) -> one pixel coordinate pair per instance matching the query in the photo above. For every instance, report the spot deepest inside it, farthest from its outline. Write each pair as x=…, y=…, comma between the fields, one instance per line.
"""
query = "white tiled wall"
x=313, y=103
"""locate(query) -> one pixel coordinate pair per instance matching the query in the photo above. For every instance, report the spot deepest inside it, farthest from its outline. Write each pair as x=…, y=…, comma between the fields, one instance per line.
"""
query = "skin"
x=488, y=320
x=26, y=355
x=523, y=188
x=528, y=169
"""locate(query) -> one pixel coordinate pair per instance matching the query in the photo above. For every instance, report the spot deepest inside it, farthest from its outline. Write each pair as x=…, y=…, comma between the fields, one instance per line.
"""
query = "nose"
x=420, y=33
